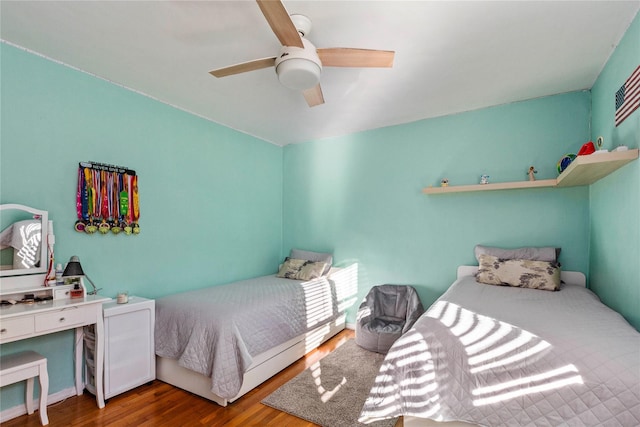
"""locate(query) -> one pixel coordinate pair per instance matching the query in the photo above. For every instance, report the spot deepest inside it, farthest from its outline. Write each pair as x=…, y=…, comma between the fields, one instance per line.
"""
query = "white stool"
x=26, y=366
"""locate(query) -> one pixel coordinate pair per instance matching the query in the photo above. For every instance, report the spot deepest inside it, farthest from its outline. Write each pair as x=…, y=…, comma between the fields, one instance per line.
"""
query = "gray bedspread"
x=216, y=331
x=502, y=356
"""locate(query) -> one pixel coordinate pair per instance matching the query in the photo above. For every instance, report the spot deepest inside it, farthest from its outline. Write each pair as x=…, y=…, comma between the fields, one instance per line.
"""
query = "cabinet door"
x=129, y=350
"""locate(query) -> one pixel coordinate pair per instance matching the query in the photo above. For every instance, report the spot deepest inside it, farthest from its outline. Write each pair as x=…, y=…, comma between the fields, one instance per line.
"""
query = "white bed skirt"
x=264, y=366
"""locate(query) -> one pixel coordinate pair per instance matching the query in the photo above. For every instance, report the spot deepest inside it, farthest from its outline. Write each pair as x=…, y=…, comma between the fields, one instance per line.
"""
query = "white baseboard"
x=351, y=326
x=19, y=410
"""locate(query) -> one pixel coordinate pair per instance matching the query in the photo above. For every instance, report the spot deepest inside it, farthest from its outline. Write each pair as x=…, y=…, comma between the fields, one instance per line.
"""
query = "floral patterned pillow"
x=519, y=273
x=301, y=269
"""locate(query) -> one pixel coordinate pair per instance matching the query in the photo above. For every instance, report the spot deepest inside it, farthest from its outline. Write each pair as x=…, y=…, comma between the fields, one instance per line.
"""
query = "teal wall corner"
x=615, y=200
x=359, y=196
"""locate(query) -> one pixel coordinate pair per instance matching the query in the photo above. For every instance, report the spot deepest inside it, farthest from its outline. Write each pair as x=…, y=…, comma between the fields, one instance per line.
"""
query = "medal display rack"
x=107, y=199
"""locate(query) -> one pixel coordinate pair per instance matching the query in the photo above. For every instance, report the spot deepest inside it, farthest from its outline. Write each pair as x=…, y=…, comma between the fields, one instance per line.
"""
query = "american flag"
x=628, y=97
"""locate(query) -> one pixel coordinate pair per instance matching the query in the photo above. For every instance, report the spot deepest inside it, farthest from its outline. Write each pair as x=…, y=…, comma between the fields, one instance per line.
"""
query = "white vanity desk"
x=26, y=251
x=21, y=321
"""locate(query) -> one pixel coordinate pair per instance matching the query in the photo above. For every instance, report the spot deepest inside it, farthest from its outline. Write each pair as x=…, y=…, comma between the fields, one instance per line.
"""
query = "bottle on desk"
x=77, y=291
x=59, y=279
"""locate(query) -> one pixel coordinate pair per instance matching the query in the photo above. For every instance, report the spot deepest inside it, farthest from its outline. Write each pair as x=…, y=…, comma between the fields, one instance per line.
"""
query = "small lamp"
x=74, y=269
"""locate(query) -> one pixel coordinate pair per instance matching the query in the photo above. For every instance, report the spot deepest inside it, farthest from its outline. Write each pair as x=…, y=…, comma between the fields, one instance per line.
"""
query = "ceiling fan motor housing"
x=302, y=24
x=298, y=68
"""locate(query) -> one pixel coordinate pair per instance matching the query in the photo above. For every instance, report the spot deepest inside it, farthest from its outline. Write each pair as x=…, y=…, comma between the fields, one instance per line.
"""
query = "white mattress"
x=493, y=355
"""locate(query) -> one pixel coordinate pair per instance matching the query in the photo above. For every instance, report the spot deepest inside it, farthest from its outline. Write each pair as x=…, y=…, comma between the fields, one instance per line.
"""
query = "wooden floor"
x=160, y=404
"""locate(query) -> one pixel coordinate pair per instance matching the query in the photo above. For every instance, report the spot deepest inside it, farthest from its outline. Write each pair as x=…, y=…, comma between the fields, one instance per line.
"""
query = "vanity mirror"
x=25, y=239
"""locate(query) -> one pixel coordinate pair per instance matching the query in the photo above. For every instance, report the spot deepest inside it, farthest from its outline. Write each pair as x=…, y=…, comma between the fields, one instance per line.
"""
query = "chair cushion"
x=376, y=340
x=379, y=325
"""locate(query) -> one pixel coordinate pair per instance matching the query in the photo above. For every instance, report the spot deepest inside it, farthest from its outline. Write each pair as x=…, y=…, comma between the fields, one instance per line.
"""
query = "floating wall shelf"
x=584, y=170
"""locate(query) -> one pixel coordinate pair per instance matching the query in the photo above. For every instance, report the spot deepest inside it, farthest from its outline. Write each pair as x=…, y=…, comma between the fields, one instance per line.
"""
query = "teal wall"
x=615, y=201
x=359, y=196
x=211, y=197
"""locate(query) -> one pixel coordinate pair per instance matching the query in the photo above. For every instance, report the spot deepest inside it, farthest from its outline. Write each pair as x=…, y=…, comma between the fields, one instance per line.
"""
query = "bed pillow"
x=530, y=253
x=522, y=273
x=301, y=269
x=313, y=256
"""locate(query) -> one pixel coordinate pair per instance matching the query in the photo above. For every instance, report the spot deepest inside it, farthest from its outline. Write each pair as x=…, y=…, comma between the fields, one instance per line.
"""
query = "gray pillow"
x=313, y=256
x=529, y=253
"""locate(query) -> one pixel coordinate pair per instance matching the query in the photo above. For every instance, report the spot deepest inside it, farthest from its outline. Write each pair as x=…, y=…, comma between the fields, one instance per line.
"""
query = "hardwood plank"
x=159, y=404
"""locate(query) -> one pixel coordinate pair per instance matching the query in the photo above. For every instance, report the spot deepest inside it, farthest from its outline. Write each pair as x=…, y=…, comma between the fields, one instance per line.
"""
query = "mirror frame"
x=44, y=250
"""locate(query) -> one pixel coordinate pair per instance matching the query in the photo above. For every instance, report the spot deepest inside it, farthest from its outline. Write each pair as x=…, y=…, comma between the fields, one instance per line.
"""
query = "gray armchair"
x=387, y=312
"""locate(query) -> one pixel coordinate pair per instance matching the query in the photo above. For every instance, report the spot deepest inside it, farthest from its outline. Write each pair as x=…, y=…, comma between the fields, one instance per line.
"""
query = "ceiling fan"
x=299, y=63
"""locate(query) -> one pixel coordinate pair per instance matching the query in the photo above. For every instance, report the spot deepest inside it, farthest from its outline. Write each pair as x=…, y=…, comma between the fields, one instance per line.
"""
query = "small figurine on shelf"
x=484, y=179
x=532, y=170
x=599, y=143
x=444, y=182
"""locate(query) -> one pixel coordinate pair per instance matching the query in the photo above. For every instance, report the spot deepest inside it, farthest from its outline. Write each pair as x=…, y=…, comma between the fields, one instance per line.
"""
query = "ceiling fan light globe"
x=299, y=68
x=298, y=73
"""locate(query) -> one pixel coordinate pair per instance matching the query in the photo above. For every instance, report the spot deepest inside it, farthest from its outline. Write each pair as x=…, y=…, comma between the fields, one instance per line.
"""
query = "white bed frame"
x=272, y=361
x=573, y=277
x=264, y=366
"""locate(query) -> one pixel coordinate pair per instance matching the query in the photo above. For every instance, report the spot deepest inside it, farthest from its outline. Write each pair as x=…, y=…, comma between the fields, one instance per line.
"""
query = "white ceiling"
x=450, y=56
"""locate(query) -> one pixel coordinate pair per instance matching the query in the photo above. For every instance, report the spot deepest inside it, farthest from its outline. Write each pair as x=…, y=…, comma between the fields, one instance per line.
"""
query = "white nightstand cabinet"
x=129, y=349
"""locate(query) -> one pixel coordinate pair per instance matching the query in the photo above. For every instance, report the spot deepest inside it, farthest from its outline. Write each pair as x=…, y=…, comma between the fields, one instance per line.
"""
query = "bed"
x=223, y=341
x=498, y=355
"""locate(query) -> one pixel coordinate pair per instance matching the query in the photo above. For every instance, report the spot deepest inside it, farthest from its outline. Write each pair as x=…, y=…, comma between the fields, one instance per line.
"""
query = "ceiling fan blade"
x=280, y=22
x=243, y=67
x=314, y=96
x=348, y=57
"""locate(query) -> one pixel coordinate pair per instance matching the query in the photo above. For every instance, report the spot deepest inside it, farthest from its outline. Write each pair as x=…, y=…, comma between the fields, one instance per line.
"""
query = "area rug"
x=332, y=391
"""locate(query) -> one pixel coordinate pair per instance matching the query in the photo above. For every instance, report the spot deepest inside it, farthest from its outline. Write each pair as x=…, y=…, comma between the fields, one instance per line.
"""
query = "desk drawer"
x=12, y=328
x=63, y=319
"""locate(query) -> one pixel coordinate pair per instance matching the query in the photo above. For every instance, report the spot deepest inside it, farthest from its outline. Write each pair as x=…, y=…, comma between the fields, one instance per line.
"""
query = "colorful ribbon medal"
x=136, y=205
x=81, y=195
x=124, y=204
x=90, y=227
x=104, y=226
x=115, y=205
